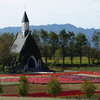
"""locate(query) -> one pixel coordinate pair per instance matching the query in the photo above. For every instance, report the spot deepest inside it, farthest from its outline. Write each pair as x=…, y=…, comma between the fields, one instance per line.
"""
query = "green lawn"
x=94, y=69
x=26, y=98
x=82, y=97
x=76, y=60
x=9, y=83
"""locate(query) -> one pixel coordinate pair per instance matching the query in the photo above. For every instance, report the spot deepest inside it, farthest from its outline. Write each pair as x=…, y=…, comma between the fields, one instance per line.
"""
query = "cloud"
x=78, y=12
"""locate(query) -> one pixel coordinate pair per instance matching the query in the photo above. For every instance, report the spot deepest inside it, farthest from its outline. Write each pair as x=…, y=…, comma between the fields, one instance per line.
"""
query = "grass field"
x=94, y=69
x=25, y=98
x=69, y=98
x=76, y=60
x=95, y=97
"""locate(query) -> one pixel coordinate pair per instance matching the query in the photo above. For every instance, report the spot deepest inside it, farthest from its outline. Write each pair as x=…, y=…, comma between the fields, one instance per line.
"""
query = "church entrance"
x=32, y=62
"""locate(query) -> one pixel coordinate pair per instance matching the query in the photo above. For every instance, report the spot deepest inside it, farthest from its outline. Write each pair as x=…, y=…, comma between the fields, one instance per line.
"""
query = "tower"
x=29, y=56
x=25, y=25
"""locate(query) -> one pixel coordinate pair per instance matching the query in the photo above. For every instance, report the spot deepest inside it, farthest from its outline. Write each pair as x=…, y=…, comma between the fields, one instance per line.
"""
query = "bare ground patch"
x=35, y=88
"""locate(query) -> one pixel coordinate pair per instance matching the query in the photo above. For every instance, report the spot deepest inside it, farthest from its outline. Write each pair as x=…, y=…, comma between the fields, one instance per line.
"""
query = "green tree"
x=81, y=41
x=71, y=46
x=36, y=37
x=44, y=43
x=54, y=87
x=57, y=56
x=23, y=87
x=93, y=54
x=53, y=42
x=96, y=41
x=13, y=59
x=63, y=38
x=88, y=53
x=6, y=40
x=88, y=88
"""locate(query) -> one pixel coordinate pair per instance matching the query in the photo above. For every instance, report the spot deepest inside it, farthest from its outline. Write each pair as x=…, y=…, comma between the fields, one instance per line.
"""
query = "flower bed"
x=44, y=94
x=62, y=94
x=66, y=77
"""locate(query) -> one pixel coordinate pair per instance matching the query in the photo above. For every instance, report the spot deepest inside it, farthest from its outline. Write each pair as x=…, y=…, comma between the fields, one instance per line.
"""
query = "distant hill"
x=53, y=27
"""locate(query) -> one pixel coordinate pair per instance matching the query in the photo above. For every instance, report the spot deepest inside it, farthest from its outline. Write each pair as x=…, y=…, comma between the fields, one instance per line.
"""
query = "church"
x=26, y=47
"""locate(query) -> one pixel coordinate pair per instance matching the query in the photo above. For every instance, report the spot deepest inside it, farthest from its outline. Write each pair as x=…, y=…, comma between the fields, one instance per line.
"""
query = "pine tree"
x=53, y=87
x=88, y=88
x=23, y=87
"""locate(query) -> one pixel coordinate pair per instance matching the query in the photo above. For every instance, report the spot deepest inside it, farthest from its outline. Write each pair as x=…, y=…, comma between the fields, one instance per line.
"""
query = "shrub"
x=53, y=87
x=45, y=66
x=1, y=88
x=88, y=88
x=23, y=87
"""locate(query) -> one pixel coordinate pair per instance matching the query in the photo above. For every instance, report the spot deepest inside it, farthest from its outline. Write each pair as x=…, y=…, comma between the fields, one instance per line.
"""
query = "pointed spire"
x=25, y=18
x=25, y=25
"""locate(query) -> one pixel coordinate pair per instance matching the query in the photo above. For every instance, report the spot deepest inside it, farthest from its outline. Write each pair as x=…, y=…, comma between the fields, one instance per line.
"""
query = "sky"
x=80, y=13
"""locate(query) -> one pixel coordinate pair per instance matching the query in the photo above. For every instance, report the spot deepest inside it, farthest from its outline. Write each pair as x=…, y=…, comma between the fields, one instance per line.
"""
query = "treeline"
x=67, y=44
x=54, y=46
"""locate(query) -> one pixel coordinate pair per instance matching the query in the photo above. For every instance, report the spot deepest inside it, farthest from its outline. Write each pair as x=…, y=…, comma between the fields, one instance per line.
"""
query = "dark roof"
x=25, y=18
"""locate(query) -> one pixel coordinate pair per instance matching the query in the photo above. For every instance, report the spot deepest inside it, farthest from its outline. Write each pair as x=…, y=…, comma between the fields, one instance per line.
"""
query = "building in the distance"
x=26, y=47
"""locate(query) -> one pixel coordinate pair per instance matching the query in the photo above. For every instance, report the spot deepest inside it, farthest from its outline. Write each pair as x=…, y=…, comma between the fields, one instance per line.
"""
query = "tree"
x=53, y=42
x=63, y=38
x=23, y=87
x=96, y=41
x=36, y=37
x=44, y=43
x=6, y=41
x=87, y=51
x=57, y=56
x=88, y=88
x=53, y=87
x=71, y=45
x=93, y=54
x=81, y=41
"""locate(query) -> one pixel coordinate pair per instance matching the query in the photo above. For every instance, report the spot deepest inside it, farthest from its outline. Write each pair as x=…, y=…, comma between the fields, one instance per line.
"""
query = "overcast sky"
x=81, y=13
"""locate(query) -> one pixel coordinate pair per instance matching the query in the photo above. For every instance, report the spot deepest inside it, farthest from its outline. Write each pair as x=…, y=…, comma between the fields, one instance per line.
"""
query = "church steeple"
x=25, y=18
x=25, y=25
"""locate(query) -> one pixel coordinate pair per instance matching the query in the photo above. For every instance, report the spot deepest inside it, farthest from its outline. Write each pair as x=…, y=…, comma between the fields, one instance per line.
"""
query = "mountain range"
x=53, y=27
